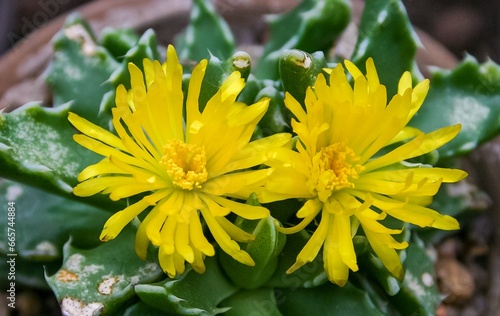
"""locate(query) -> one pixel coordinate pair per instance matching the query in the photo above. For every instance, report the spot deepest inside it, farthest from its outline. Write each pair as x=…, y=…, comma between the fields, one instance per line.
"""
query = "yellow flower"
x=183, y=168
x=346, y=171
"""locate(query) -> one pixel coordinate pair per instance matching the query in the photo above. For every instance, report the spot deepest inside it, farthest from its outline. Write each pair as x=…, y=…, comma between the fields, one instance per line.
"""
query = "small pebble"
x=455, y=281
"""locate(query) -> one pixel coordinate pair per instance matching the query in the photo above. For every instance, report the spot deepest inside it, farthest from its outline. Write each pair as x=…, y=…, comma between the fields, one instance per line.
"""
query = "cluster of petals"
x=186, y=169
x=189, y=167
x=351, y=166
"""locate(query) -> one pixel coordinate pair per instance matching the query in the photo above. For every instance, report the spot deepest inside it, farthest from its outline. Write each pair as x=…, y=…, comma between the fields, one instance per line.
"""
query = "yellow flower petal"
x=225, y=242
x=182, y=242
x=342, y=165
x=336, y=269
x=244, y=210
x=308, y=212
x=342, y=225
x=415, y=214
x=418, y=146
x=117, y=222
x=295, y=107
x=198, y=238
x=313, y=245
x=95, y=131
x=387, y=255
x=234, y=231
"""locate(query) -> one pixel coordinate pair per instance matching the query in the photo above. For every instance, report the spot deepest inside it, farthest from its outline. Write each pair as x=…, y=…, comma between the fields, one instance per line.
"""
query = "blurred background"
x=471, y=26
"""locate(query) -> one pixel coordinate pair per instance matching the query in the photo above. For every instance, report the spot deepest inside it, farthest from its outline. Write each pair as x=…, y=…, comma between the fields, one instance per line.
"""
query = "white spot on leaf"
x=13, y=192
x=106, y=286
x=74, y=307
x=427, y=279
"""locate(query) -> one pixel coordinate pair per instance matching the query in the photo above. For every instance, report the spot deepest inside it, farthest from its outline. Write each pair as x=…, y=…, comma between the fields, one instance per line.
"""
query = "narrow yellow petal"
x=336, y=269
x=106, y=151
x=431, y=174
x=198, y=264
x=141, y=238
x=244, y=210
x=138, y=87
x=342, y=224
x=182, y=242
x=225, y=242
x=103, y=167
x=234, y=231
x=405, y=83
x=257, y=152
x=288, y=181
x=368, y=221
x=233, y=183
x=179, y=265
x=313, y=245
x=405, y=134
x=353, y=69
x=242, y=114
x=192, y=107
x=371, y=75
x=415, y=214
x=96, y=185
x=95, y=131
x=197, y=237
x=161, y=232
x=416, y=147
x=214, y=208
x=418, y=96
x=311, y=207
x=387, y=255
x=295, y=107
x=119, y=220
x=167, y=262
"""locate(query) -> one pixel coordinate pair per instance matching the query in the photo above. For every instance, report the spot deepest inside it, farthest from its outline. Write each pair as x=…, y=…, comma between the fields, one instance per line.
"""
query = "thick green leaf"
x=142, y=309
x=80, y=70
x=327, y=299
x=207, y=34
x=258, y=302
x=252, y=88
x=419, y=293
x=145, y=47
x=217, y=72
x=264, y=250
x=310, y=275
x=37, y=211
x=386, y=35
x=118, y=41
x=37, y=147
x=469, y=95
x=298, y=71
x=43, y=223
x=191, y=293
x=374, y=267
x=101, y=280
x=312, y=26
x=276, y=119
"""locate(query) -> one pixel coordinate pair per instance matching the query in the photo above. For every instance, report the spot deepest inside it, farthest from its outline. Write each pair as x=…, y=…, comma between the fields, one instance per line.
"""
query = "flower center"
x=333, y=168
x=185, y=164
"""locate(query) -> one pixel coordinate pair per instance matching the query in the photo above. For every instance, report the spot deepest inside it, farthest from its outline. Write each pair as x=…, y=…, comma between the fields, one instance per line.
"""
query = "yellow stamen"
x=185, y=164
x=333, y=169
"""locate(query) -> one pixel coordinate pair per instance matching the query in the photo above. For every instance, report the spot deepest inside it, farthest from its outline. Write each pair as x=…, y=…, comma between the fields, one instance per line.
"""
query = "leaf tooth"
x=35, y=167
x=64, y=186
x=5, y=148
